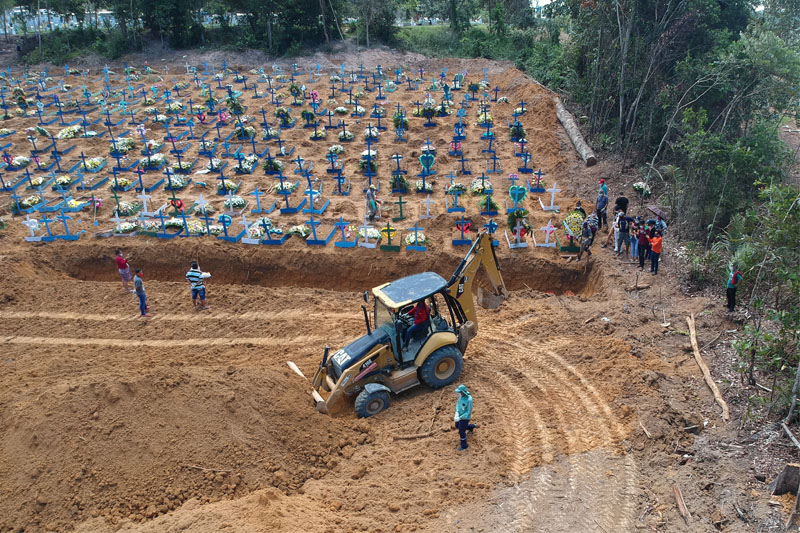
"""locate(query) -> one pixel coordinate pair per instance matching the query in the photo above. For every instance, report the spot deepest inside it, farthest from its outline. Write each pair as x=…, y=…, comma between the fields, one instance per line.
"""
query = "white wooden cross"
x=231, y=209
x=518, y=242
x=552, y=207
x=548, y=230
x=201, y=204
x=118, y=221
x=247, y=239
x=365, y=243
x=144, y=197
x=33, y=226
x=427, y=203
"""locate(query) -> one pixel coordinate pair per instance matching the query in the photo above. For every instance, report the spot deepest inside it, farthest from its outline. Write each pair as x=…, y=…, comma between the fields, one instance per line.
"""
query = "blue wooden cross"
x=343, y=242
x=538, y=187
x=416, y=247
x=522, y=143
x=341, y=180
x=455, y=208
x=495, y=169
x=463, y=226
x=525, y=169
x=289, y=210
x=46, y=221
x=464, y=170
x=489, y=210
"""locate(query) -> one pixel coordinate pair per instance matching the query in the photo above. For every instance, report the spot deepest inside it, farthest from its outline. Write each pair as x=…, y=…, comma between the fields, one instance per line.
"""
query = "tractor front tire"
x=442, y=367
x=371, y=403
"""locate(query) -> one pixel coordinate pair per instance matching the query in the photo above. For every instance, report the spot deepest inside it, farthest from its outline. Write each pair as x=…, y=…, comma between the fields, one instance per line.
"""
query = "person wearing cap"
x=372, y=203
x=463, y=415
x=603, y=187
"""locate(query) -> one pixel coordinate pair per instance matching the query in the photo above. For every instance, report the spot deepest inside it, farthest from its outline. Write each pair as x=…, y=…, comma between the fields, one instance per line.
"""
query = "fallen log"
x=726, y=415
x=574, y=133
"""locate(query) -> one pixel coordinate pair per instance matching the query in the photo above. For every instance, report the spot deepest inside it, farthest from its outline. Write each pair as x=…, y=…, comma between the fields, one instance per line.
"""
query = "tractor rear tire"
x=371, y=403
x=442, y=367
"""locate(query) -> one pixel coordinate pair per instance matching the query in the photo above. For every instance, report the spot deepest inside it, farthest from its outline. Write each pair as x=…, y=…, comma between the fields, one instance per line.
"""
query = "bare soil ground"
x=590, y=410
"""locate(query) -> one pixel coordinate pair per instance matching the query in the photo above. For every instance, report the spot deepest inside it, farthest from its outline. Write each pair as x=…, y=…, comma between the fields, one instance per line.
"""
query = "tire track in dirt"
x=585, y=422
x=284, y=314
x=523, y=431
x=164, y=343
x=620, y=513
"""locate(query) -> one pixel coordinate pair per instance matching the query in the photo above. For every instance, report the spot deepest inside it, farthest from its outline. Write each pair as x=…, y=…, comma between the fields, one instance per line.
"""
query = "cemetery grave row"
x=257, y=157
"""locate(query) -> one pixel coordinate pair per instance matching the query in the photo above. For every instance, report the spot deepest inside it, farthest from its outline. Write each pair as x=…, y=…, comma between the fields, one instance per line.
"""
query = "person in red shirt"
x=124, y=269
x=655, y=252
x=644, y=244
x=420, y=312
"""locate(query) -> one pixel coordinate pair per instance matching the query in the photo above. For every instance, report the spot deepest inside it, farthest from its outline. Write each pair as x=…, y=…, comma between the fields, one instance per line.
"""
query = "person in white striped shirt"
x=196, y=278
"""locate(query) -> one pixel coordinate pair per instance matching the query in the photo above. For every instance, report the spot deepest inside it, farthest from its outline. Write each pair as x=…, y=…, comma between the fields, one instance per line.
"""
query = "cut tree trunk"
x=726, y=415
x=574, y=133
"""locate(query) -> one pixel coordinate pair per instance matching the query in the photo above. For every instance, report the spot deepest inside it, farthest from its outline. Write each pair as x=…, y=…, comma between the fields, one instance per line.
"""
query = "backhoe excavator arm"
x=460, y=285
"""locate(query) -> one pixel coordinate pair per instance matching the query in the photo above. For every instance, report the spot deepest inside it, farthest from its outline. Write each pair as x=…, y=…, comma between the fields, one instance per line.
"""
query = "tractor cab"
x=395, y=309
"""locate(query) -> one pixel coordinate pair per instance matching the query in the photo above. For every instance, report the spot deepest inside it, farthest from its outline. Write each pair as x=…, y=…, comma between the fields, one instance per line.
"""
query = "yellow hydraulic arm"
x=460, y=285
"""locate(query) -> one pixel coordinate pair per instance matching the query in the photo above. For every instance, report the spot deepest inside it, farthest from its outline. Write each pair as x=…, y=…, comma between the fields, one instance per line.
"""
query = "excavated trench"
x=340, y=270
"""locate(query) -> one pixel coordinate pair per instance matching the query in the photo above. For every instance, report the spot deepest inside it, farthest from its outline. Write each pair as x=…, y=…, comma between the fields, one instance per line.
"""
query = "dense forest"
x=689, y=95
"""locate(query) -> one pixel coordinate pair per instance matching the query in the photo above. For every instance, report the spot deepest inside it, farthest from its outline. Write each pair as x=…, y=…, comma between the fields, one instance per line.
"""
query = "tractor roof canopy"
x=404, y=291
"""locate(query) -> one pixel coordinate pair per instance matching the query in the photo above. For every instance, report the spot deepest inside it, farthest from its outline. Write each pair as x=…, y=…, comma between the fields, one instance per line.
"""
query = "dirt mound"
x=135, y=445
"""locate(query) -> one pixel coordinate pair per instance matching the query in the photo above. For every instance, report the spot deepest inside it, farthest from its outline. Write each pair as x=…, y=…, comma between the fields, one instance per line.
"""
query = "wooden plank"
x=726, y=415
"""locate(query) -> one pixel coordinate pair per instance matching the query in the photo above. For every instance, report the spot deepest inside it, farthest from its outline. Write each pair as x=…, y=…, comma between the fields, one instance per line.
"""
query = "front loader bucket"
x=319, y=402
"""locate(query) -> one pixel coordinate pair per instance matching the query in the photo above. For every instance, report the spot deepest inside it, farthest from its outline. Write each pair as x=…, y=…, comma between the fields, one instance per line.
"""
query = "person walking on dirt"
x=655, y=252
x=372, y=203
x=138, y=284
x=195, y=277
x=600, y=208
x=124, y=269
x=579, y=208
x=463, y=416
x=734, y=277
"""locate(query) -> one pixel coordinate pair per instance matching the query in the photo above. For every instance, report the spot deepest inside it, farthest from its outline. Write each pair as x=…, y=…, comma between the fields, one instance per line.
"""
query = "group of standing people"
x=641, y=238
x=194, y=276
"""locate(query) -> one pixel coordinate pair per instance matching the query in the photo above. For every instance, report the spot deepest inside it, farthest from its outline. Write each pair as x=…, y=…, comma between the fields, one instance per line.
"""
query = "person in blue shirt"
x=463, y=416
x=601, y=208
x=138, y=286
x=734, y=278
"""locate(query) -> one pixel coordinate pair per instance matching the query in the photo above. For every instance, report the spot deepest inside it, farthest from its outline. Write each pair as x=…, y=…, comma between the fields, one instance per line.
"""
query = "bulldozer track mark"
x=523, y=430
x=158, y=343
x=588, y=427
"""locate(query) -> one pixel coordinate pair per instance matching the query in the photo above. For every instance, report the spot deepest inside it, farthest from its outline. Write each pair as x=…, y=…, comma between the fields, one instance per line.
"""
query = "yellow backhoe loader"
x=390, y=358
